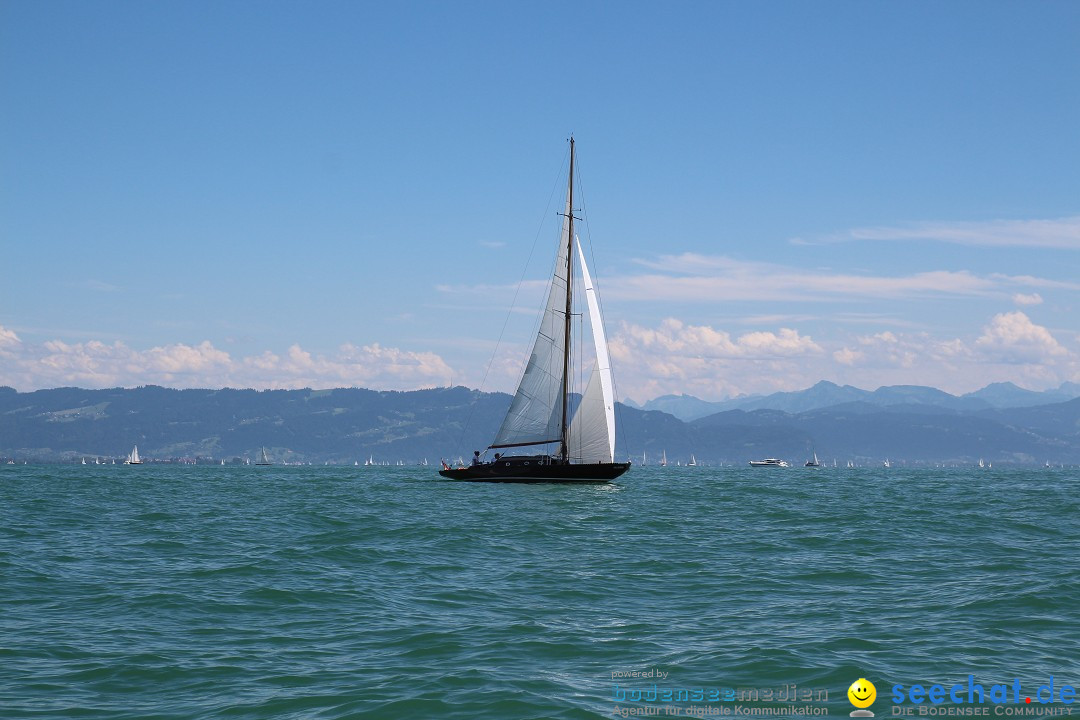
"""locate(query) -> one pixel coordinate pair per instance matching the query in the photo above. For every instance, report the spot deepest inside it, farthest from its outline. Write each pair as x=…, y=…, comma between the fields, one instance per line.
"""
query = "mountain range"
x=1001, y=423
x=826, y=394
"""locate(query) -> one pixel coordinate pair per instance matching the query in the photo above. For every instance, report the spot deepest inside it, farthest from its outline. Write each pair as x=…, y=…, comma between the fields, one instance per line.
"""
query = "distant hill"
x=826, y=394
x=342, y=425
x=684, y=407
x=1007, y=395
x=346, y=426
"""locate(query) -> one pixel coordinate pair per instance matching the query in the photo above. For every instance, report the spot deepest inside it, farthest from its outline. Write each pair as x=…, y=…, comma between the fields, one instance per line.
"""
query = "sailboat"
x=813, y=463
x=576, y=446
x=133, y=458
x=692, y=461
x=663, y=459
x=263, y=458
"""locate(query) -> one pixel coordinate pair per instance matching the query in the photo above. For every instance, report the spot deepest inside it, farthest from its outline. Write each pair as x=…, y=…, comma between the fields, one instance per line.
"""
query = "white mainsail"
x=535, y=414
x=592, y=431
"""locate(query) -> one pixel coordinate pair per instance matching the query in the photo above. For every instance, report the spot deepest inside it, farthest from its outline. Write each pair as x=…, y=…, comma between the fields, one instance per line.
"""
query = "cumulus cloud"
x=95, y=364
x=674, y=336
x=699, y=359
x=847, y=356
x=1013, y=337
x=1010, y=347
x=676, y=357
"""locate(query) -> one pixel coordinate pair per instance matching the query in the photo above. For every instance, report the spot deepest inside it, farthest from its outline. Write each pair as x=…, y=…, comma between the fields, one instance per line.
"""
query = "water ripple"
x=174, y=592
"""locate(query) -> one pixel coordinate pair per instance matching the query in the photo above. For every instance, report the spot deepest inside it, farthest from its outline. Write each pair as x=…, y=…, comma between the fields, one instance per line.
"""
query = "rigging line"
x=513, y=302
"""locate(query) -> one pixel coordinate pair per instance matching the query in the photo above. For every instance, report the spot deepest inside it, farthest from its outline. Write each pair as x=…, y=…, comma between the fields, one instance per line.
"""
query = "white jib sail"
x=535, y=414
x=592, y=431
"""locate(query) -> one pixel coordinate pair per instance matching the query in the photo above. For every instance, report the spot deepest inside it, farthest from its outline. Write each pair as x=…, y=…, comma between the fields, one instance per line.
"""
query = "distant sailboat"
x=133, y=458
x=264, y=459
x=663, y=459
x=644, y=462
x=814, y=462
x=692, y=462
x=886, y=463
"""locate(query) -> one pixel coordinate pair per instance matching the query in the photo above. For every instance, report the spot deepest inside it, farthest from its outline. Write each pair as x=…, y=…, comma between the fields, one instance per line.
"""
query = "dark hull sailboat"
x=576, y=447
x=539, y=469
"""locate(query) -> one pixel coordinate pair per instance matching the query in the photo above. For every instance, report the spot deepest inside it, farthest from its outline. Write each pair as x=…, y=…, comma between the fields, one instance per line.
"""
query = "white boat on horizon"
x=264, y=459
x=133, y=458
x=769, y=462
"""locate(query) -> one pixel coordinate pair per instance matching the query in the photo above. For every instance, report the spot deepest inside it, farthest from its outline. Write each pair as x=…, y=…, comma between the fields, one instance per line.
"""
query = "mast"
x=564, y=451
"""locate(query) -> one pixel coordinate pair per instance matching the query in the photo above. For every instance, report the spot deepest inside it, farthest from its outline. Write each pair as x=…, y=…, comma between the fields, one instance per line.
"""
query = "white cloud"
x=95, y=364
x=847, y=356
x=672, y=356
x=703, y=341
x=675, y=357
x=1013, y=337
x=694, y=278
x=1032, y=299
x=8, y=339
x=1061, y=233
x=701, y=360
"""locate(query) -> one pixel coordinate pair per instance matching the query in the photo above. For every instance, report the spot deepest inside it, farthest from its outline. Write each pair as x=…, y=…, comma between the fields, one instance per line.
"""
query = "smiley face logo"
x=862, y=694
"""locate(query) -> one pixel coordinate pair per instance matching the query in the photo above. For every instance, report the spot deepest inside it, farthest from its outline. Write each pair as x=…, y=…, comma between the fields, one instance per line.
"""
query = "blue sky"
x=271, y=194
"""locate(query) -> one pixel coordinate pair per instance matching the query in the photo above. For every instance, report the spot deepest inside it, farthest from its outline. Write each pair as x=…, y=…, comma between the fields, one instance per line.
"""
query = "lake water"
x=321, y=592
